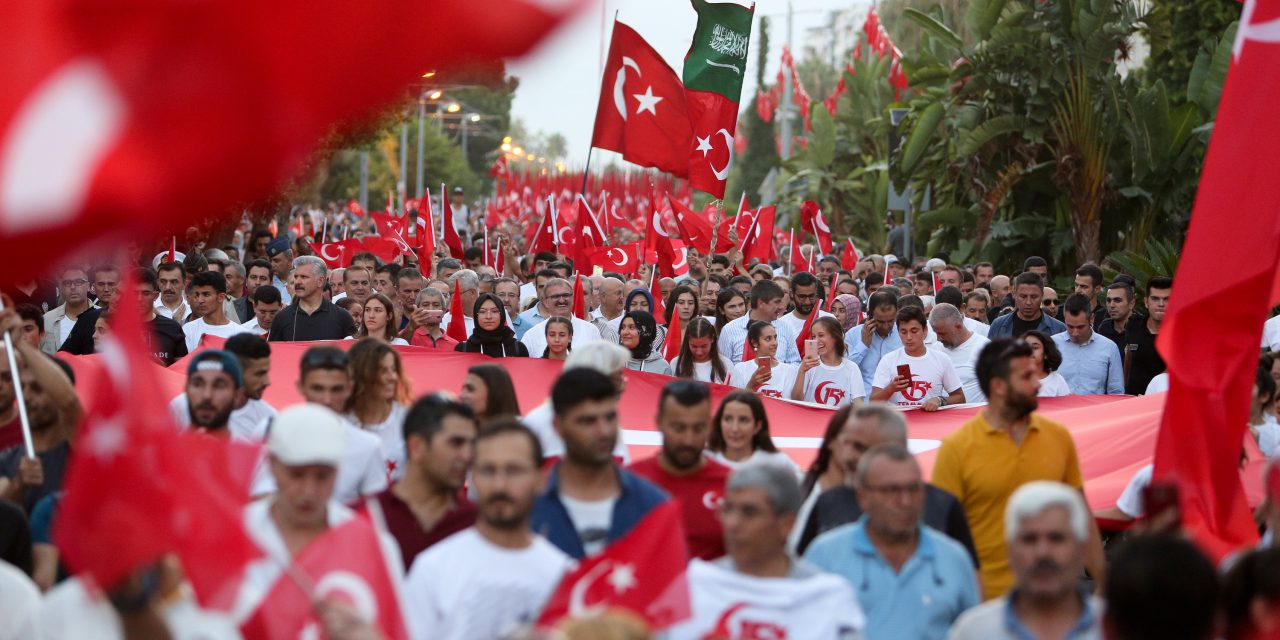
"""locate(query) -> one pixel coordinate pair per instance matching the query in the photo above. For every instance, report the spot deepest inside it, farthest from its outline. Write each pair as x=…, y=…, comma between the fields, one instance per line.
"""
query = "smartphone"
x=434, y=314
x=904, y=371
x=764, y=361
x=810, y=348
x=1160, y=502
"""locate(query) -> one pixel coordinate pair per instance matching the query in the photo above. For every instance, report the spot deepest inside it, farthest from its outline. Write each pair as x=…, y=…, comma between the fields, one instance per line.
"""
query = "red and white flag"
x=336, y=254
x=806, y=330
x=675, y=335
x=457, y=328
x=346, y=563
x=694, y=228
x=137, y=488
x=173, y=249
x=849, y=257
x=449, y=233
x=798, y=261
x=642, y=572
x=621, y=258
x=657, y=240
x=1210, y=335
x=812, y=220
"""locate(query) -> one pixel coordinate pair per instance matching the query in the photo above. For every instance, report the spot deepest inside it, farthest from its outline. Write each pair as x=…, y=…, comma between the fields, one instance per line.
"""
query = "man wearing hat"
x=305, y=447
x=461, y=214
x=281, y=256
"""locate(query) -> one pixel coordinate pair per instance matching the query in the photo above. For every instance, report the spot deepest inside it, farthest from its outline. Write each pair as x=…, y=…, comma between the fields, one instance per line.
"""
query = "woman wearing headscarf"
x=491, y=335
x=852, y=310
x=641, y=300
x=637, y=333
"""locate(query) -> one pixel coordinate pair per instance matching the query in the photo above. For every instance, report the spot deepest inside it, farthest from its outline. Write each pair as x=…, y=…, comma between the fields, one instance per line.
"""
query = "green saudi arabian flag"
x=713, y=72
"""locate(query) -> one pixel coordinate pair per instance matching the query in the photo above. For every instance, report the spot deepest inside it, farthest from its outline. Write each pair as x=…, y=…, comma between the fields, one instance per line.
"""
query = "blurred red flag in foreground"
x=136, y=488
x=121, y=119
x=1211, y=332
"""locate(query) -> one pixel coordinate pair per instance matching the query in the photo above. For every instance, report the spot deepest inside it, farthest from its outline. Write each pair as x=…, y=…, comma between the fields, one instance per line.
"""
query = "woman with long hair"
x=826, y=377
x=559, y=332
x=1046, y=357
x=731, y=304
x=491, y=335
x=379, y=320
x=824, y=473
x=682, y=301
x=637, y=333
x=700, y=357
x=380, y=393
x=489, y=391
x=740, y=433
x=765, y=374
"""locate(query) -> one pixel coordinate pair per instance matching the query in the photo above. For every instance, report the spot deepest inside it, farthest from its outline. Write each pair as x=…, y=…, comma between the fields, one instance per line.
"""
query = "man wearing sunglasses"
x=73, y=289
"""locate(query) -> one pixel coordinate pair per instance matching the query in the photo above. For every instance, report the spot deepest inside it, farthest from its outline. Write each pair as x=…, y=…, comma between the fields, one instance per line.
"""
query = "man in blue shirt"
x=1091, y=363
x=912, y=581
x=589, y=501
x=555, y=299
x=878, y=335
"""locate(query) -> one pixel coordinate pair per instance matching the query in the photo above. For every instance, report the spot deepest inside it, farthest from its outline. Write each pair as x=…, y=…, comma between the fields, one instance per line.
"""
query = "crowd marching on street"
x=488, y=515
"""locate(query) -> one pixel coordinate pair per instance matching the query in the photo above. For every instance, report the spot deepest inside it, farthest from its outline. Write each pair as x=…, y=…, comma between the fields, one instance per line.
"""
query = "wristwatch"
x=942, y=402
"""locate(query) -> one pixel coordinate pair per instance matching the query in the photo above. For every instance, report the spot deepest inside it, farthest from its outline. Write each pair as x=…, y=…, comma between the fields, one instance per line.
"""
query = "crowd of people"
x=487, y=504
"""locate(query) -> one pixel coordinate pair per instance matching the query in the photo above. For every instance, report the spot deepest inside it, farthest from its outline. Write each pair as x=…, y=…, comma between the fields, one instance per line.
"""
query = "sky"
x=560, y=81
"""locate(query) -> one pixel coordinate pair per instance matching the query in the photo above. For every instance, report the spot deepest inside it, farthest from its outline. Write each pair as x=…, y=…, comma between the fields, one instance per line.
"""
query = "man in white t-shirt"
x=806, y=292
x=249, y=417
x=306, y=448
x=931, y=382
x=208, y=289
x=323, y=379
x=535, y=339
x=492, y=579
x=961, y=345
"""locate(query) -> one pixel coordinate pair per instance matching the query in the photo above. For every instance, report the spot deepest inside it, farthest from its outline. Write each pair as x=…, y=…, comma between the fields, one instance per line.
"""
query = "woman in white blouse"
x=740, y=433
x=1046, y=357
x=699, y=357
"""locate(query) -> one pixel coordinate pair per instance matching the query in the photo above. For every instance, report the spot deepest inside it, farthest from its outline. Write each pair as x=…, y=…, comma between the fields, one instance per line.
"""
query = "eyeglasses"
x=559, y=296
x=909, y=490
x=1050, y=303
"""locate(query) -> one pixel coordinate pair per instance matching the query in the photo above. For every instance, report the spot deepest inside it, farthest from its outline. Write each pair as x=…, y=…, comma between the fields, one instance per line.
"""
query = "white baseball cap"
x=889, y=258
x=307, y=434
x=934, y=263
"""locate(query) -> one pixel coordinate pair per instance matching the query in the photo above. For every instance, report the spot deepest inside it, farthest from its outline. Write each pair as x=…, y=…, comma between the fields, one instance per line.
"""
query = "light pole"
x=422, y=116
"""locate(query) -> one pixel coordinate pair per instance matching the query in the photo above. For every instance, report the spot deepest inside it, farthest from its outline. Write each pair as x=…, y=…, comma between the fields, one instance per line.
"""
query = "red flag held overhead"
x=457, y=328
x=448, y=232
x=579, y=301
x=806, y=330
x=675, y=335
x=849, y=257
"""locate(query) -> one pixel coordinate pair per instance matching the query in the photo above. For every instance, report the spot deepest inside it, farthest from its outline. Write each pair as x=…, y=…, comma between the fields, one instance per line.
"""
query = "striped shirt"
x=734, y=335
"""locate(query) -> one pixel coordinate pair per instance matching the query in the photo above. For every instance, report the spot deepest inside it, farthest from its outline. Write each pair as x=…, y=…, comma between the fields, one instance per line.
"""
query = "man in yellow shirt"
x=1007, y=445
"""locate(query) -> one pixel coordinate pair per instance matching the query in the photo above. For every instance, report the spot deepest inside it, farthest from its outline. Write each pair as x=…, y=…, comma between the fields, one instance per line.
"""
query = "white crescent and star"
x=324, y=252
x=723, y=173
x=647, y=101
x=626, y=259
x=578, y=594
x=620, y=78
x=681, y=265
x=1266, y=32
x=657, y=225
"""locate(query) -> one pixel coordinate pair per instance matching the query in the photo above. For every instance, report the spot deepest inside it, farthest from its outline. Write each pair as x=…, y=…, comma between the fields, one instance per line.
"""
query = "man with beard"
x=215, y=382
x=806, y=293
x=896, y=562
x=589, y=501
x=489, y=580
x=1048, y=539
x=684, y=419
x=427, y=503
x=53, y=411
x=250, y=413
x=1004, y=447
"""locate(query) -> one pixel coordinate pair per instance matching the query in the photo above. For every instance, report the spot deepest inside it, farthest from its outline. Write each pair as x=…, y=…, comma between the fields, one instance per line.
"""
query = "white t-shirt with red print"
x=833, y=386
x=779, y=384
x=932, y=376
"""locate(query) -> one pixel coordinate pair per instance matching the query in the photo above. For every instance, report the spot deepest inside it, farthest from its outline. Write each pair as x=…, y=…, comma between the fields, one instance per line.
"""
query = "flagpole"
x=586, y=170
x=20, y=396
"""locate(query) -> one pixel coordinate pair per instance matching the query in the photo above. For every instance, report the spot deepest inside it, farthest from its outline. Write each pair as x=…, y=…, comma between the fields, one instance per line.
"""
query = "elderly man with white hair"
x=961, y=345
x=1047, y=530
x=535, y=339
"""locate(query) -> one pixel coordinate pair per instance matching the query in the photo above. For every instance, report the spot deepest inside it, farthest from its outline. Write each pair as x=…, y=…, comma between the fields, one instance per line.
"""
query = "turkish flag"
x=388, y=223
x=849, y=257
x=642, y=572
x=713, y=73
x=336, y=254
x=499, y=168
x=457, y=328
x=659, y=303
x=658, y=241
x=121, y=119
x=385, y=248
x=681, y=264
x=758, y=241
x=544, y=235
x=675, y=335
x=806, y=330
x=354, y=207
x=447, y=231
x=426, y=237
x=345, y=563
x=1210, y=334
x=641, y=113
x=173, y=249
x=587, y=236
x=798, y=261
x=812, y=220
x=621, y=258
x=137, y=488
x=694, y=228
x=831, y=290
x=579, y=300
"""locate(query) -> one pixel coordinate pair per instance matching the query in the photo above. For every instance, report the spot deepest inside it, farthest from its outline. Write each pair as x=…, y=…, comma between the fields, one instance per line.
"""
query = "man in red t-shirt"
x=684, y=418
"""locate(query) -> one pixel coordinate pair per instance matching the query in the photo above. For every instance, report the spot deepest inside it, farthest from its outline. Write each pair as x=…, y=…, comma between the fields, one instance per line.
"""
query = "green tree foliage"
x=761, y=154
x=484, y=88
x=1176, y=31
x=1022, y=133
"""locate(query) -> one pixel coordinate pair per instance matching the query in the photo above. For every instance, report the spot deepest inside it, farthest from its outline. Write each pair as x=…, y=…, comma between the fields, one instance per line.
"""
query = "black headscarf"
x=648, y=333
x=497, y=342
x=641, y=292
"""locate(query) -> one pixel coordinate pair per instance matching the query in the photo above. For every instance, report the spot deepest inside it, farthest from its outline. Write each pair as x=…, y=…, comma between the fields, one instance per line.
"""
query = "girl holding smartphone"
x=825, y=376
x=765, y=375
